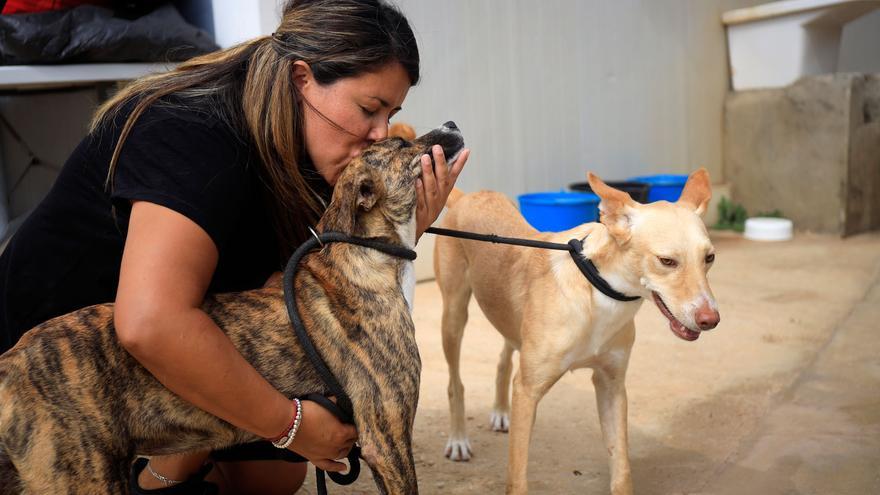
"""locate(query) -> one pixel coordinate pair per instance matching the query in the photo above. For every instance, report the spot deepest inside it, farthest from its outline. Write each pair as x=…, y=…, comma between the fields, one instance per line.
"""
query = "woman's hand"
x=322, y=438
x=435, y=185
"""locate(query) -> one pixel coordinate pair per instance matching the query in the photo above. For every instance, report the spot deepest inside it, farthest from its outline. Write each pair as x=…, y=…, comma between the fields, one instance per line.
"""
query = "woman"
x=205, y=179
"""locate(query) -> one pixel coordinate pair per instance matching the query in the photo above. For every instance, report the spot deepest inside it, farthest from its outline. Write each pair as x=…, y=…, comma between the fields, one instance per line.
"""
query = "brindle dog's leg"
x=9, y=484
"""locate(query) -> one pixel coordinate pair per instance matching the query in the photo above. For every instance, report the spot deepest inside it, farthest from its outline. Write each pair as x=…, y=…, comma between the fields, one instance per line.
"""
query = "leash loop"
x=343, y=408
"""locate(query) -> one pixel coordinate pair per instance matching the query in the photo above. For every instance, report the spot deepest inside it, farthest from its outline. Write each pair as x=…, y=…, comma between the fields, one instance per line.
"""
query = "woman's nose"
x=378, y=133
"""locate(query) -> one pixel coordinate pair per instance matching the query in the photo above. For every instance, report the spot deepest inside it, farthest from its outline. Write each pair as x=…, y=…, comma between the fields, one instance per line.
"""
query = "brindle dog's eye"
x=668, y=262
x=710, y=258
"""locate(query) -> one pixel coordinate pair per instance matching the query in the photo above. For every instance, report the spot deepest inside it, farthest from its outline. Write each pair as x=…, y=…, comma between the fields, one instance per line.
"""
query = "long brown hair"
x=250, y=86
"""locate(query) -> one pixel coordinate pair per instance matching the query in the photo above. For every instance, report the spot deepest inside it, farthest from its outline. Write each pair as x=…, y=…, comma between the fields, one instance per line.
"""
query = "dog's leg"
x=609, y=381
x=9, y=483
x=535, y=377
x=500, y=418
x=456, y=295
x=385, y=436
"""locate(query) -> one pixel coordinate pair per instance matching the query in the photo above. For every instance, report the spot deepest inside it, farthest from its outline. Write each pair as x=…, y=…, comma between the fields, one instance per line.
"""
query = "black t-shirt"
x=67, y=253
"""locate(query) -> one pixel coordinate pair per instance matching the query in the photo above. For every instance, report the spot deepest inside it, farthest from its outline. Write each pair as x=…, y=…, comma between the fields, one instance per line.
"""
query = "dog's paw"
x=499, y=420
x=458, y=449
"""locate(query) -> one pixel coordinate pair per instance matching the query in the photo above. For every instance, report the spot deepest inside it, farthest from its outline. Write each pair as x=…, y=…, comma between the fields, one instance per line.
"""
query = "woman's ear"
x=302, y=75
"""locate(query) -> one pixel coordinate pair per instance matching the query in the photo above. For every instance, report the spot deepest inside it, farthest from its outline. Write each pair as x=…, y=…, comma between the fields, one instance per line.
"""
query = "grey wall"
x=545, y=91
x=860, y=45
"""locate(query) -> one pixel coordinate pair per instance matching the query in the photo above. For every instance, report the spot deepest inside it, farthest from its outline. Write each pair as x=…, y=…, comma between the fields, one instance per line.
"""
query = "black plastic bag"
x=92, y=34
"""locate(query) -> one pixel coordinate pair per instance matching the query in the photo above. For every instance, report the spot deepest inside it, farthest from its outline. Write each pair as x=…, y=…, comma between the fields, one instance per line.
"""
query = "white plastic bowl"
x=768, y=229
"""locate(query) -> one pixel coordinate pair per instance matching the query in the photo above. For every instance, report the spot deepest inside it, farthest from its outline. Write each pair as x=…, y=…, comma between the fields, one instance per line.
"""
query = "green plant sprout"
x=731, y=216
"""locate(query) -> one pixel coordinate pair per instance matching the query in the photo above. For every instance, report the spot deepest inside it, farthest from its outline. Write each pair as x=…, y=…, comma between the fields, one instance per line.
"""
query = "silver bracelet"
x=287, y=439
x=164, y=480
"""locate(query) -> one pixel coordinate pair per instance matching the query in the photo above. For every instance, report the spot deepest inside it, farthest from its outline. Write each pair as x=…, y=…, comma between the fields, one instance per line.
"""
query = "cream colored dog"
x=546, y=309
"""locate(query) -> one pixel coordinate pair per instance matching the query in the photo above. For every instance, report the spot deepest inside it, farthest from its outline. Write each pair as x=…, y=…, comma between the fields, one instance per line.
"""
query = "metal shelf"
x=36, y=77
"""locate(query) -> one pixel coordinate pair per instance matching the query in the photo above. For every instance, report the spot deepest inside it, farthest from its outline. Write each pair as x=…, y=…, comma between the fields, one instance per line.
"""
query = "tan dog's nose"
x=706, y=317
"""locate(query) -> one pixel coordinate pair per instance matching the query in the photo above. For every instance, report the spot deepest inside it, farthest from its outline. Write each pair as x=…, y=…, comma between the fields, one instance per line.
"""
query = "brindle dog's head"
x=376, y=194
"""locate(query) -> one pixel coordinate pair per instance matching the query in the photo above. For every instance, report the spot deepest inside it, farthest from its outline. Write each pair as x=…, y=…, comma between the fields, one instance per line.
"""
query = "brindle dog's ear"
x=366, y=194
x=358, y=190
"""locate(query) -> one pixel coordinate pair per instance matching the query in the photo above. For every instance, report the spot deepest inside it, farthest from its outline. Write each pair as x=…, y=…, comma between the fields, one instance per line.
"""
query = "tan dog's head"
x=667, y=245
x=376, y=194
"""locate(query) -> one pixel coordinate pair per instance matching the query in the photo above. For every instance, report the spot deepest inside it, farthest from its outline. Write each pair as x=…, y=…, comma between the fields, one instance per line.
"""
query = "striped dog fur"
x=76, y=408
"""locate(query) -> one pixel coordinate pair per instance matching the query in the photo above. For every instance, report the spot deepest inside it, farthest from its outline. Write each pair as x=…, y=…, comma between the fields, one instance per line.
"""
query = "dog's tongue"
x=683, y=332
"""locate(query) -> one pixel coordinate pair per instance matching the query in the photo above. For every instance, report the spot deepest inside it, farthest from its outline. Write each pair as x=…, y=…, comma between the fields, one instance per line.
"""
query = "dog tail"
x=454, y=196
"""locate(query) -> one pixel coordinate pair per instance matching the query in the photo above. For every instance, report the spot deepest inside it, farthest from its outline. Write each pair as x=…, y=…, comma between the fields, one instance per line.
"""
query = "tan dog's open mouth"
x=676, y=326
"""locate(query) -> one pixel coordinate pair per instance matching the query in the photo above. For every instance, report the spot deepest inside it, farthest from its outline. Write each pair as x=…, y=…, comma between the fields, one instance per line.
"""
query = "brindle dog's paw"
x=458, y=449
x=499, y=420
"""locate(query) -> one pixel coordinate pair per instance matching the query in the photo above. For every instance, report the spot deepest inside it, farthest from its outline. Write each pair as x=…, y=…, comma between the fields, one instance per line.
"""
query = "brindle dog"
x=75, y=407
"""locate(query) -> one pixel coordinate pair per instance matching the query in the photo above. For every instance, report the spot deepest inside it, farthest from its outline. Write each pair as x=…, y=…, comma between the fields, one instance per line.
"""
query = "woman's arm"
x=167, y=265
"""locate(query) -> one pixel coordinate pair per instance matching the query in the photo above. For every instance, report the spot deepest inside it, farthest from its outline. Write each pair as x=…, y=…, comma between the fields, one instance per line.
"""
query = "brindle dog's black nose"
x=450, y=125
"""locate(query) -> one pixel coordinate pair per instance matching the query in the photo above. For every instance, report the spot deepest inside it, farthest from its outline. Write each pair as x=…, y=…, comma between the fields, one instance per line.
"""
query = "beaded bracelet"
x=286, y=438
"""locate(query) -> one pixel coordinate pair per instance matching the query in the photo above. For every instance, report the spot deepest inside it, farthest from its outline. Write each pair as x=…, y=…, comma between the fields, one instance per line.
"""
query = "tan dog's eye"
x=668, y=262
x=710, y=258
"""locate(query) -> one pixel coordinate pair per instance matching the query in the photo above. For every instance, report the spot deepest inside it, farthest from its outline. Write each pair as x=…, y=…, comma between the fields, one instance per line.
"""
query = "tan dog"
x=75, y=407
x=546, y=309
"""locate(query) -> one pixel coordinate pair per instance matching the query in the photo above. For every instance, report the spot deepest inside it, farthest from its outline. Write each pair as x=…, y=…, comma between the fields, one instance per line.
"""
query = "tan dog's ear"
x=697, y=192
x=401, y=130
x=615, y=208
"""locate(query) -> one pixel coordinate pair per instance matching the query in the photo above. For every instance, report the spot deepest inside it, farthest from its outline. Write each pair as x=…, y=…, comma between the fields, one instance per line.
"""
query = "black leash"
x=574, y=247
x=342, y=409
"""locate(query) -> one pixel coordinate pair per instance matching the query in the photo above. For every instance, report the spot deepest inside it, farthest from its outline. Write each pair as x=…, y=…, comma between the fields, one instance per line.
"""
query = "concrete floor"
x=782, y=398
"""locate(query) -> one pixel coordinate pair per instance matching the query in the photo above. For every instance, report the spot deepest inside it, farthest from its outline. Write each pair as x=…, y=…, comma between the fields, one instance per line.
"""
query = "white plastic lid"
x=768, y=229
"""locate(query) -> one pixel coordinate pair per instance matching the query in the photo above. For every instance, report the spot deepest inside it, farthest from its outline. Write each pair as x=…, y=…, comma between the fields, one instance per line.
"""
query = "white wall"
x=545, y=91
x=235, y=21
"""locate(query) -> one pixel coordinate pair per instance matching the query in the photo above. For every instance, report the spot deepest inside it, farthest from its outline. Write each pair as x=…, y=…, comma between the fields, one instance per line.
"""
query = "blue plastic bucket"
x=663, y=187
x=556, y=211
